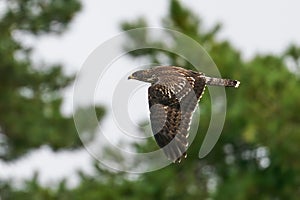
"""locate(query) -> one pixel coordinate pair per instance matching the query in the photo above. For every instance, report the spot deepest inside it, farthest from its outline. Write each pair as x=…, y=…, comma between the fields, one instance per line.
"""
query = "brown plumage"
x=173, y=96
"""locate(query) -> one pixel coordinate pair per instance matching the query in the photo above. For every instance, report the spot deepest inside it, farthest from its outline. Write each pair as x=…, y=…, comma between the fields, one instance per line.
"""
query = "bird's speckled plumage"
x=173, y=96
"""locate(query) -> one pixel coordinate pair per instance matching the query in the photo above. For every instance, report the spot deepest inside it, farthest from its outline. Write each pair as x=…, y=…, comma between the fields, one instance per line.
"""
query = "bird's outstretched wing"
x=172, y=103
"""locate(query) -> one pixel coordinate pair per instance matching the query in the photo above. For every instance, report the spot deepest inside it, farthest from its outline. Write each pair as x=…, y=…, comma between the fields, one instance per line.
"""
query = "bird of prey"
x=173, y=96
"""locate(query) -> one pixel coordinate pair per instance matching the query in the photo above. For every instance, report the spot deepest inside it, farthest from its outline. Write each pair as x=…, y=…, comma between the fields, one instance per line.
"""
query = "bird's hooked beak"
x=135, y=75
x=142, y=75
x=131, y=77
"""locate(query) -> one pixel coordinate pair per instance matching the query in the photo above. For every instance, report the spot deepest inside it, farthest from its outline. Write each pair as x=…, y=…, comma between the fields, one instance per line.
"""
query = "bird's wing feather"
x=171, y=108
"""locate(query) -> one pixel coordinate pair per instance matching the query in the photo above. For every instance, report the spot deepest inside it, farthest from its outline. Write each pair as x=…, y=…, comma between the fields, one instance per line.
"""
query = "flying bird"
x=173, y=97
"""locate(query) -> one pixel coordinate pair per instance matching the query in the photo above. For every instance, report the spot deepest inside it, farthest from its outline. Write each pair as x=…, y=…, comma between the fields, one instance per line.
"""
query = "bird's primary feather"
x=172, y=101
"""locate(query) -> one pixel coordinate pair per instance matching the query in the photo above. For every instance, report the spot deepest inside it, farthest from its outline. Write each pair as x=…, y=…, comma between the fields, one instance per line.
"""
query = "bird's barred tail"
x=222, y=82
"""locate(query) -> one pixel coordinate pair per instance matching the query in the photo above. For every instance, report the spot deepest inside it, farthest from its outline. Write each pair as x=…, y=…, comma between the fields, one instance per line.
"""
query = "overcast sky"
x=252, y=26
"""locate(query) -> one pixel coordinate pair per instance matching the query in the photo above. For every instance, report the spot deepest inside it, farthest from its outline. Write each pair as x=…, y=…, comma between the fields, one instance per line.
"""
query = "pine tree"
x=31, y=94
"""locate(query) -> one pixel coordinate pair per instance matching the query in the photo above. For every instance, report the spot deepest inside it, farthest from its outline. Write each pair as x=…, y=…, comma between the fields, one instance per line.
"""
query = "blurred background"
x=44, y=43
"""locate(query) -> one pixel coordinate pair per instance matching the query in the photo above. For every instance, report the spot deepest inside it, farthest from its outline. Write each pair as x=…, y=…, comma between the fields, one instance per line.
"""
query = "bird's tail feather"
x=222, y=82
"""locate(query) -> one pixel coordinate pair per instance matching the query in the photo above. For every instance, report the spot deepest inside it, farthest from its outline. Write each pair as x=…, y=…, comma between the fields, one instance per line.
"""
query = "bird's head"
x=147, y=75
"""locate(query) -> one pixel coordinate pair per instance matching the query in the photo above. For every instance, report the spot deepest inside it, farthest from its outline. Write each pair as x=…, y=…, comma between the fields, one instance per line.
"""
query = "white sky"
x=252, y=26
